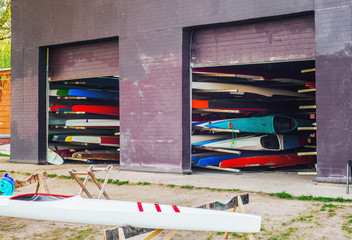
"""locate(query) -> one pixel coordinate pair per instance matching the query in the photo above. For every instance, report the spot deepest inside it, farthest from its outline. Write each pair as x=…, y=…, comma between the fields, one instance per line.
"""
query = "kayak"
x=89, y=93
x=275, y=142
x=241, y=89
x=76, y=209
x=215, y=159
x=279, y=160
x=266, y=124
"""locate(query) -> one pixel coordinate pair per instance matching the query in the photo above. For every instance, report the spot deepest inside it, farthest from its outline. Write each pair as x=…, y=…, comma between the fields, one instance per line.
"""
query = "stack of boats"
x=84, y=119
x=246, y=121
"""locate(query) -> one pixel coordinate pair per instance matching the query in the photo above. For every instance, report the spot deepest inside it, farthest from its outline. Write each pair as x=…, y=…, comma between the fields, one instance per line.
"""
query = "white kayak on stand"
x=76, y=209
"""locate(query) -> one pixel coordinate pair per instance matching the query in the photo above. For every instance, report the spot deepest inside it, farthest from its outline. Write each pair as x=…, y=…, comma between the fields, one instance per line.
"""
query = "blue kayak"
x=266, y=124
x=215, y=160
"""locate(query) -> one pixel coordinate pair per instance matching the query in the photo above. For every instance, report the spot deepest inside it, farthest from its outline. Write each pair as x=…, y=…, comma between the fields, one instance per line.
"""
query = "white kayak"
x=92, y=123
x=275, y=142
x=76, y=209
x=243, y=88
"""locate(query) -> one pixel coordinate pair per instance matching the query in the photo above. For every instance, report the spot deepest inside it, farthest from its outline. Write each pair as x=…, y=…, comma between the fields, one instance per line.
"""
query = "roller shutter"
x=84, y=60
x=285, y=39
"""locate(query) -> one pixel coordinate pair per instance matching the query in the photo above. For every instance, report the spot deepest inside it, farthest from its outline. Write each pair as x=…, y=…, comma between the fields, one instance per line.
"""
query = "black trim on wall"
x=42, y=108
x=186, y=101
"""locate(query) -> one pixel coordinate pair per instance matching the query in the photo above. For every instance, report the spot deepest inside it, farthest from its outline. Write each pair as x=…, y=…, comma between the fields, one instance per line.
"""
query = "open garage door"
x=83, y=123
x=253, y=94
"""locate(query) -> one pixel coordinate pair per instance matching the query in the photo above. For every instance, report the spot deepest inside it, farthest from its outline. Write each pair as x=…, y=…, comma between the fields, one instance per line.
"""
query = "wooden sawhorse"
x=38, y=178
x=90, y=174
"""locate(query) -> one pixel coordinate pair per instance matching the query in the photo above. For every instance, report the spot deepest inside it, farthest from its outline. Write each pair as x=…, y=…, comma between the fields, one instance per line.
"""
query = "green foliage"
x=5, y=19
x=286, y=195
x=5, y=54
x=143, y=183
x=283, y=194
x=4, y=155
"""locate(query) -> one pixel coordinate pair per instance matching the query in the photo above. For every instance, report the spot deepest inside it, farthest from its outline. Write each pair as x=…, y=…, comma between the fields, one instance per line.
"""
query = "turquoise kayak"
x=266, y=124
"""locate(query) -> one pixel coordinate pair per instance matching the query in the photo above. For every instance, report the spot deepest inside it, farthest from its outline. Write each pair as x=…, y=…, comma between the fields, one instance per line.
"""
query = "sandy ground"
x=281, y=219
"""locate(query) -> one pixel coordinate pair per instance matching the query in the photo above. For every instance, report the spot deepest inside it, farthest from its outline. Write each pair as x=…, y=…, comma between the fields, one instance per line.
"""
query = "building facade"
x=159, y=42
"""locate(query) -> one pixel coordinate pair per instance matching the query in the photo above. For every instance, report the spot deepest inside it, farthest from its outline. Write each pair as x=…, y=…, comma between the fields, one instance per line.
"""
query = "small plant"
x=171, y=185
x=118, y=182
x=283, y=194
x=187, y=186
x=143, y=183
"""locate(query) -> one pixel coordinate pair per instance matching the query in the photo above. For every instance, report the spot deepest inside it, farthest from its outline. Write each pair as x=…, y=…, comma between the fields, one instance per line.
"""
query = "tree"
x=5, y=19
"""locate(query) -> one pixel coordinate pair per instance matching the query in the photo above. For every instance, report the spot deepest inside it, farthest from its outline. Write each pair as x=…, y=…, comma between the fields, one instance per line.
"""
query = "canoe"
x=275, y=142
x=241, y=89
x=215, y=159
x=266, y=124
x=106, y=155
x=244, y=105
x=86, y=139
x=92, y=123
x=89, y=93
x=76, y=209
x=68, y=151
x=95, y=109
x=256, y=75
x=108, y=83
x=57, y=122
x=280, y=160
x=85, y=122
x=57, y=107
x=100, y=140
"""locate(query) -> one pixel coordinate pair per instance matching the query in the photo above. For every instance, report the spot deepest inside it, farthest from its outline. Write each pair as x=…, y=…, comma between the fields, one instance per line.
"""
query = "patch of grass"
x=65, y=177
x=143, y=183
x=4, y=155
x=52, y=175
x=286, y=195
x=283, y=194
x=118, y=182
x=187, y=186
x=171, y=185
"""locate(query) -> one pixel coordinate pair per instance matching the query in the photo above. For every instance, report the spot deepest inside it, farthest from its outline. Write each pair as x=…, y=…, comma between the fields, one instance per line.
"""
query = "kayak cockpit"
x=270, y=142
x=39, y=197
x=284, y=124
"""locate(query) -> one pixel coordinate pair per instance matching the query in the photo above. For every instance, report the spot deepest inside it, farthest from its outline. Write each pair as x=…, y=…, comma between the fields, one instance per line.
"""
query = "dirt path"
x=281, y=219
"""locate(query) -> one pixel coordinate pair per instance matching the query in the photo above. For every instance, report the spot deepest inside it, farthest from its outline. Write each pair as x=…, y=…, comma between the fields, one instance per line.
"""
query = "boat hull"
x=120, y=213
x=281, y=160
x=266, y=124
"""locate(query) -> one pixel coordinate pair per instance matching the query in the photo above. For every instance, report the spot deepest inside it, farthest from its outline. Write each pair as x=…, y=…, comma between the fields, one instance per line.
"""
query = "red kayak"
x=95, y=109
x=281, y=160
x=98, y=109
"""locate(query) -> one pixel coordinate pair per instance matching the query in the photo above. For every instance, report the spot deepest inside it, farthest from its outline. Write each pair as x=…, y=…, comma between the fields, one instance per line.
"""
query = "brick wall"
x=5, y=101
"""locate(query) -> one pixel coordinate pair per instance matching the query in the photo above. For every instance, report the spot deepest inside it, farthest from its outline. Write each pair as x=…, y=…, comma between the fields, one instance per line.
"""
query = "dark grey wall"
x=334, y=87
x=155, y=75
